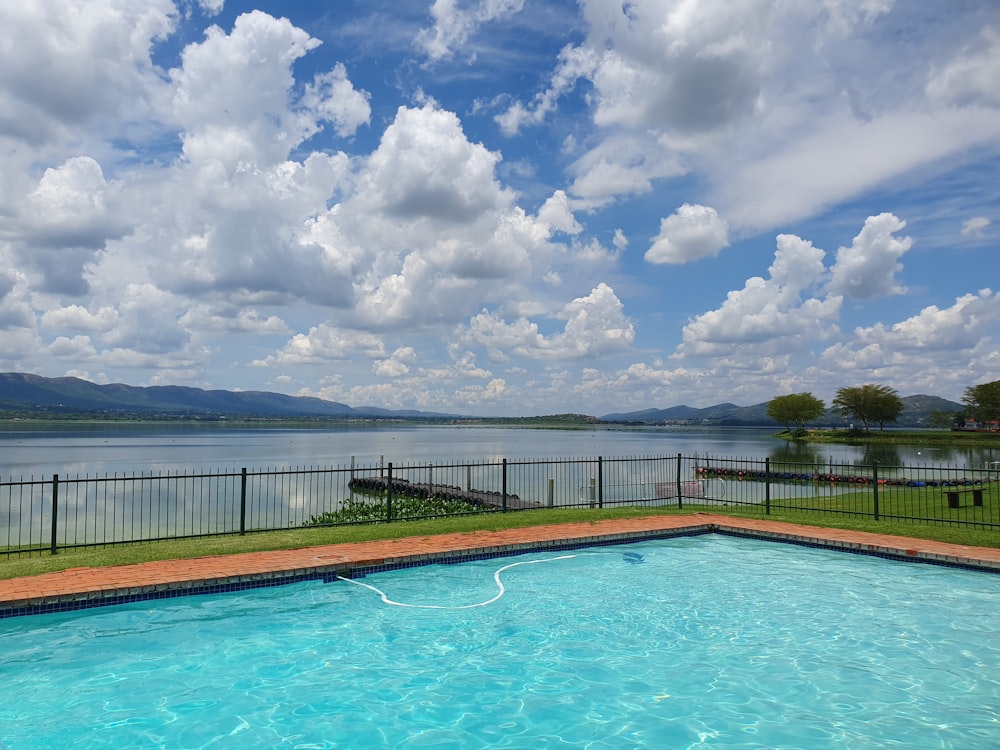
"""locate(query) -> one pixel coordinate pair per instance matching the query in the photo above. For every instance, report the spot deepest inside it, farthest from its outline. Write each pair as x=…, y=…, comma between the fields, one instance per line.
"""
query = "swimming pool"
x=700, y=642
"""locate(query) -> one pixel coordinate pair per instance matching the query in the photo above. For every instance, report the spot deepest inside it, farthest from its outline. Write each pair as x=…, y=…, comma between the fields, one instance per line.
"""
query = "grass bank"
x=901, y=437
x=125, y=554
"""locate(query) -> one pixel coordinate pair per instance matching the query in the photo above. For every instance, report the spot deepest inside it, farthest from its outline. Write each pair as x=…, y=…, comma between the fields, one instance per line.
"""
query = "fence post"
x=388, y=494
x=600, y=481
x=504, y=485
x=550, y=499
x=875, y=487
x=55, y=510
x=767, y=486
x=243, y=502
x=680, y=498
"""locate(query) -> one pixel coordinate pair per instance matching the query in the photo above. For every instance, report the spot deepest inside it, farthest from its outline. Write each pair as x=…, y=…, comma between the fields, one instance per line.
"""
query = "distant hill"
x=720, y=414
x=34, y=394
x=916, y=413
x=26, y=394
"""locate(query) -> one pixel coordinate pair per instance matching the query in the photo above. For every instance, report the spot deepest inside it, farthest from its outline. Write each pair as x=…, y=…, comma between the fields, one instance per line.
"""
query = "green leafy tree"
x=795, y=408
x=943, y=420
x=869, y=403
x=983, y=401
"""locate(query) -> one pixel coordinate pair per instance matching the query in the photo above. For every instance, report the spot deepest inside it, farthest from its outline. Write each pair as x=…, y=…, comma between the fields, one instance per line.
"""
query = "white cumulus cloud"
x=323, y=344
x=692, y=232
x=595, y=325
x=774, y=313
x=868, y=267
x=961, y=326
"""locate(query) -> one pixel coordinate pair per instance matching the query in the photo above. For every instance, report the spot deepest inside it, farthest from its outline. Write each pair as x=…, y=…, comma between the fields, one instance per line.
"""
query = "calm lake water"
x=158, y=449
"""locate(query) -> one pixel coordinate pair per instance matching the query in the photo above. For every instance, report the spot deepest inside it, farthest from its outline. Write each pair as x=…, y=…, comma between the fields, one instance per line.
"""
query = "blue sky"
x=503, y=207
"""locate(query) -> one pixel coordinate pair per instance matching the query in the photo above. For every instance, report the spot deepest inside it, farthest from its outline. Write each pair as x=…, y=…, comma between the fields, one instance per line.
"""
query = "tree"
x=869, y=403
x=795, y=408
x=983, y=402
x=943, y=420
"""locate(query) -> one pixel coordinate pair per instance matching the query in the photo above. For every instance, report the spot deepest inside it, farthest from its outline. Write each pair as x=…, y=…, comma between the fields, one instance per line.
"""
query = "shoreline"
x=895, y=436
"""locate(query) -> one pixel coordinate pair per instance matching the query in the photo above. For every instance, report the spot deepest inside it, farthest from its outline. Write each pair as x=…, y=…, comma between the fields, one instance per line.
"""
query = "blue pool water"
x=696, y=642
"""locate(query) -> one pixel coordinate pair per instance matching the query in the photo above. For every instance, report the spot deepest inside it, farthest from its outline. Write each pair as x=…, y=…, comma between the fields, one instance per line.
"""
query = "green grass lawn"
x=901, y=504
x=311, y=536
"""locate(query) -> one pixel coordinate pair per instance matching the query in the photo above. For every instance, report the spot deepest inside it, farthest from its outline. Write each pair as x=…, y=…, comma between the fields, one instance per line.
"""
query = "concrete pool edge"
x=81, y=588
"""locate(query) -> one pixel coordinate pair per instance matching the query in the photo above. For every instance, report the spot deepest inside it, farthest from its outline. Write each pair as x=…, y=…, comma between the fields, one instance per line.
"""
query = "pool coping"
x=81, y=588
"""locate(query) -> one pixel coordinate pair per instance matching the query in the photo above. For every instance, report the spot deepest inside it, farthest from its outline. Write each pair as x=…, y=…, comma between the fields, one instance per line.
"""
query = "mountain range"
x=22, y=393
x=35, y=394
x=917, y=411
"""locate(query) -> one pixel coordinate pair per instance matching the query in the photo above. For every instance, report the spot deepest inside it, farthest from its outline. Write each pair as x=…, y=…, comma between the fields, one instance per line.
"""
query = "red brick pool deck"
x=80, y=586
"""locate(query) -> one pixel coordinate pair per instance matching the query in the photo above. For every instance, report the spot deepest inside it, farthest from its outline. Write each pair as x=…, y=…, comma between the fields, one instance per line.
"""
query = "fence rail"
x=62, y=512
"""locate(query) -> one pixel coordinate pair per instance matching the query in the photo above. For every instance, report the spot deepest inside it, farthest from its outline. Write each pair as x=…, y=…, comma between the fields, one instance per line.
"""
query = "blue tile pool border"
x=330, y=573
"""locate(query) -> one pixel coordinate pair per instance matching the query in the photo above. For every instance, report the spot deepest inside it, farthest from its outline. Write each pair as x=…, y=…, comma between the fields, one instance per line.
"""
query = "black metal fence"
x=46, y=515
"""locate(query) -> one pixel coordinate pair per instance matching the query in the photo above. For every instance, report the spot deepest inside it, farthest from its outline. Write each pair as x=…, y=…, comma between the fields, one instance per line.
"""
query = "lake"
x=133, y=448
